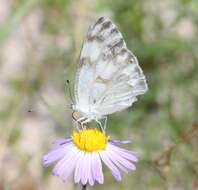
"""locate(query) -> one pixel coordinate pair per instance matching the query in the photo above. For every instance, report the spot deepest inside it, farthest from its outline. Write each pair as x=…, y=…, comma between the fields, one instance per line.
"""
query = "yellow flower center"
x=90, y=140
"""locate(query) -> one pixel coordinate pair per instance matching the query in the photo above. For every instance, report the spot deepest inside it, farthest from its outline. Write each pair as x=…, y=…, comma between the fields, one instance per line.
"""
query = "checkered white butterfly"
x=108, y=76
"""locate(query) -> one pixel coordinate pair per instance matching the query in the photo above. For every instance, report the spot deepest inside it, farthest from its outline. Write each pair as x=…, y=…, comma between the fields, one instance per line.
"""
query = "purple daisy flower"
x=80, y=156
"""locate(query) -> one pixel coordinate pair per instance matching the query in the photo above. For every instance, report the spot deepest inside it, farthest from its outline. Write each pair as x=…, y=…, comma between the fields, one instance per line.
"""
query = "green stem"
x=84, y=187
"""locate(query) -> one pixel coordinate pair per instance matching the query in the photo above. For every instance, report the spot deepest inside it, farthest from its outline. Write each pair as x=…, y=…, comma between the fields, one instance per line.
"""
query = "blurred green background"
x=39, y=46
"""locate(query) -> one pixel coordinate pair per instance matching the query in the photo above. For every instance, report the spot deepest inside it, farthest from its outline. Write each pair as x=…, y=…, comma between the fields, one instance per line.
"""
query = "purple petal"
x=70, y=165
x=117, y=158
x=119, y=142
x=96, y=167
x=90, y=175
x=62, y=141
x=113, y=158
x=124, y=153
x=77, y=174
x=114, y=170
x=55, y=154
x=62, y=164
x=84, y=173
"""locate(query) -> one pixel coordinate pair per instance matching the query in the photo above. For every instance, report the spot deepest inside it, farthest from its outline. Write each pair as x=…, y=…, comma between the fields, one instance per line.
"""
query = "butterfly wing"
x=108, y=77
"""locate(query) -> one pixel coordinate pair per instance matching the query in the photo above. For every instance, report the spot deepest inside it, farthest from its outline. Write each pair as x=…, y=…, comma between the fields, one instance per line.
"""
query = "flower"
x=80, y=156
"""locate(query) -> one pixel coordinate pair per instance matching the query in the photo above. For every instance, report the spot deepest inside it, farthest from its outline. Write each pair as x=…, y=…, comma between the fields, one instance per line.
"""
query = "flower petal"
x=114, y=170
x=84, y=173
x=62, y=164
x=114, y=159
x=62, y=141
x=78, y=174
x=69, y=167
x=56, y=154
x=129, y=155
x=96, y=167
x=90, y=175
x=117, y=158
x=119, y=142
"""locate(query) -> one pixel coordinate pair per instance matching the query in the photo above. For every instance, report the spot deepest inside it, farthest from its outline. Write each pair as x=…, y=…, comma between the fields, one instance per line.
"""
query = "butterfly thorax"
x=86, y=112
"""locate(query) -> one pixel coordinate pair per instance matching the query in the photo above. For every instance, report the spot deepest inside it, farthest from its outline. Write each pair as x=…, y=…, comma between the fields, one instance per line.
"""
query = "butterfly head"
x=81, y=109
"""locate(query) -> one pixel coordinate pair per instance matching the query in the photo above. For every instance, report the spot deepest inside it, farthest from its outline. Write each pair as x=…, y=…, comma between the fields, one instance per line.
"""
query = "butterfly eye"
x=131, y=61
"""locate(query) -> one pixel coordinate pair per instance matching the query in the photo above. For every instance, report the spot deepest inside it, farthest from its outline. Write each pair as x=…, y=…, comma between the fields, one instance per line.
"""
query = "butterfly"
x=108, y=76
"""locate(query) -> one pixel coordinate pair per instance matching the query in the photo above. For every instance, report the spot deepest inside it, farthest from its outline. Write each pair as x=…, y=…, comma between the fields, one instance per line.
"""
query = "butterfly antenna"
x=70, y=94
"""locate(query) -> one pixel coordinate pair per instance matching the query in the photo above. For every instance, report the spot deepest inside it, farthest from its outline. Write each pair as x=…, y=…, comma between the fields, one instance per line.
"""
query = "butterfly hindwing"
x=108, y=77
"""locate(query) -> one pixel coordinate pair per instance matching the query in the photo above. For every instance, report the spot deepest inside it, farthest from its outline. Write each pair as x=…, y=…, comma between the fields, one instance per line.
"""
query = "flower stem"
x=84, y=187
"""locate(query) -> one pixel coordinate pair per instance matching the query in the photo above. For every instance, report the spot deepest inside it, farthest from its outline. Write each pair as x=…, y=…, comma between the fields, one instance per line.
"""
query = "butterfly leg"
x=76, y=124
x=78, y=121
x=81, y=121
x=100, y=124
x=85, y=121
x=105, y=122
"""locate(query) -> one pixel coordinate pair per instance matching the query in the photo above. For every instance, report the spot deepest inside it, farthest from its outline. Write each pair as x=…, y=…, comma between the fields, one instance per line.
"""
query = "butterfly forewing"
x=108, y=77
